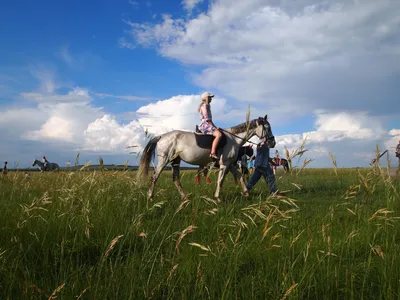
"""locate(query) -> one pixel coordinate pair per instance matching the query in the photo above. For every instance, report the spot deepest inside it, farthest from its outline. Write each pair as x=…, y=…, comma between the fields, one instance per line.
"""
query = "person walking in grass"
x=5, y=170
x=263, y=169
x=398, y=152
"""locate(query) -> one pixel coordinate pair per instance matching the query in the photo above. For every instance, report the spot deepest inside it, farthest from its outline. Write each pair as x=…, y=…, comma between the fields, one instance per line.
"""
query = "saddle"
x=205, y=140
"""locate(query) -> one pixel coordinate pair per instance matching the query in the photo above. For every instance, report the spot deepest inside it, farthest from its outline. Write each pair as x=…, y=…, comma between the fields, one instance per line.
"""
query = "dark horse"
x=276, y=162
x=248, y=150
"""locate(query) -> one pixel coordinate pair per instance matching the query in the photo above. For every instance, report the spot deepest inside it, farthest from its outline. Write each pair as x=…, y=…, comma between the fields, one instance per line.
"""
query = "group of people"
x=44, y=161
x=262, y=167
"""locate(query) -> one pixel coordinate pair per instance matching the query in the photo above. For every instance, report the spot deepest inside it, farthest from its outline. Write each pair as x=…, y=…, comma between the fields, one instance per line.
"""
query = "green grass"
x=92, y=235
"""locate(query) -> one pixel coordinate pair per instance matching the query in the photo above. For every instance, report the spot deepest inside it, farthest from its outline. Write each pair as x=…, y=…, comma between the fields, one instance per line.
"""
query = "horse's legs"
x=236, y=180
x=175, y=176
x=221, y=176
x=237, y=174
x=205, y=172
x=198, y=174
x=162, y=162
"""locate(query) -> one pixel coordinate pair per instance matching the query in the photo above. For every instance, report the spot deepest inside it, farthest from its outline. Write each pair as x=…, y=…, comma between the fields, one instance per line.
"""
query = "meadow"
x=93, y=235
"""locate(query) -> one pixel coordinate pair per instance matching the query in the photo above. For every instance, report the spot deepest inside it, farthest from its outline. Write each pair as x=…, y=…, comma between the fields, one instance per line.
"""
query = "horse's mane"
x=243, y=127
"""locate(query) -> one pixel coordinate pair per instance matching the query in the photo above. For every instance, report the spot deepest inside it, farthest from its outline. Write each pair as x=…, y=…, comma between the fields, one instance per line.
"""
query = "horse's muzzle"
x=271, y=142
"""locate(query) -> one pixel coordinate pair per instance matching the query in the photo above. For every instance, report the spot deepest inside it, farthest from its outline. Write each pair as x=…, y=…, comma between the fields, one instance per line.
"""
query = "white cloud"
x=305, y=55
x=79, y=61
x=332, y=127
x=123, y=97
x=76, y=95
x=107, y=135
x=178, y=112
x=352, y=138
x=67, y=116
x=394, y=139
x=190, y=4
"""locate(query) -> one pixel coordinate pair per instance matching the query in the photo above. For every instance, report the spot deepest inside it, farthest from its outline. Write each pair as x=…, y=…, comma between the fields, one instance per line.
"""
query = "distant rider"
x=45, y=162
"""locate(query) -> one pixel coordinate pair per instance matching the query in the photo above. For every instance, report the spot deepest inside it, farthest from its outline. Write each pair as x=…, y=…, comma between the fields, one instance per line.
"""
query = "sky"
x=91, y=78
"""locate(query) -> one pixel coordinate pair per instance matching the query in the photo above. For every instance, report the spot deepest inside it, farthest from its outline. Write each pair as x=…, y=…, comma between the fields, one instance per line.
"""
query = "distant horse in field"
x=276, y=162
x=194, y=148
x=50, y=166
x=246, y=150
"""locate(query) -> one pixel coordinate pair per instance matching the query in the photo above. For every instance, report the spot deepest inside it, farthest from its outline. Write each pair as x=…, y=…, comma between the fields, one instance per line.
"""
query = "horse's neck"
x=242, y=137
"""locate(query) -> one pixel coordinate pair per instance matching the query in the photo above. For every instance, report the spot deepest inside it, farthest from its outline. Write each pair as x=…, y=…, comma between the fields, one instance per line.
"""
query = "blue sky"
x=89, y=77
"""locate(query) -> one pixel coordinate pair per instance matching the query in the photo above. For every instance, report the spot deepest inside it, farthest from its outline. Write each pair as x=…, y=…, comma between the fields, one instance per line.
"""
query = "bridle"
x=264, y=133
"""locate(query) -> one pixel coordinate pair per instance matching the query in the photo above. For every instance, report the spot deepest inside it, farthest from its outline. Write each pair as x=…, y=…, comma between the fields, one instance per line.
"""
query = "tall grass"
x=92, y=235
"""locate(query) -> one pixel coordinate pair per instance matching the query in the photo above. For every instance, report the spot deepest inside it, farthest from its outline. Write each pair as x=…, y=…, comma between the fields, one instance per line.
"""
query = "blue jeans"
x=268, y=175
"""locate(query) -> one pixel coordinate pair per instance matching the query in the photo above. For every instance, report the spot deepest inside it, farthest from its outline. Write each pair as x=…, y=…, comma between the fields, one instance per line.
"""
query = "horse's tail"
x=148, y=154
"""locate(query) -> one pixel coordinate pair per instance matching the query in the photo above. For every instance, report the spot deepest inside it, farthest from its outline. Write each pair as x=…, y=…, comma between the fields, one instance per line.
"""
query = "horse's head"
x=264, y=131
x=34, y=162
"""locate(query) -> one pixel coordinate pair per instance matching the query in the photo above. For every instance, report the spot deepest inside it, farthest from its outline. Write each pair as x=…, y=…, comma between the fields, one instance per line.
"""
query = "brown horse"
x=276, y=162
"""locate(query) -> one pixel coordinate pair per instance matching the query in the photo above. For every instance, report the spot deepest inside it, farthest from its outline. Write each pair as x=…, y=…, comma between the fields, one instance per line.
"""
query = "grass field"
x=92, y=235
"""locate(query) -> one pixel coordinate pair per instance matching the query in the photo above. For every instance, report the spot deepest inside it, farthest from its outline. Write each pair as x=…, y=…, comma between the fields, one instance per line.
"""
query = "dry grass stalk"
x=143, y=235
x=112, y=246
x=38, y=290
x=53, y=294
x=289, y=291
x=267, y=228
x=299, y=152
x=101, y=162
x=184, y=233
x=307, y=250
x=296, y=238
x=212, y=211
x=381, y=214
x=208, y=249
x=171, y=273
x=82, y=293
x=351, y=235
x=182, y=205
x=333, y=159
x=377, y=250
x=77, y=159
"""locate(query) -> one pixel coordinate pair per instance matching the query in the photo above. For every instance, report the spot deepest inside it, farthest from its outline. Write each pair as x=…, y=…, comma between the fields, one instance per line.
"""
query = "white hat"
x=206, y=95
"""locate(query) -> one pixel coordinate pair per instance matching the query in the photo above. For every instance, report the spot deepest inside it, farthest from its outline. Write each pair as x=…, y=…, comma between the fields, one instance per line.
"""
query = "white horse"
x=50, y=166
x=193, y=148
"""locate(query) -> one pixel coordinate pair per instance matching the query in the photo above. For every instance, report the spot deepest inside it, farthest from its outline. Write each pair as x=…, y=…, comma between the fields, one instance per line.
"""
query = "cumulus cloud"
x=351, y=137
x=178, y=112
x=394, y=139
x=335, y=127
x=190, y=4
x=307, y=55
x=107, y=135
x=67, y=116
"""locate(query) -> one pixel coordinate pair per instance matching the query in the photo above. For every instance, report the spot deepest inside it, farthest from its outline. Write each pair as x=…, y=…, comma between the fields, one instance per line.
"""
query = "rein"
x=246, y=140
x=240, y=138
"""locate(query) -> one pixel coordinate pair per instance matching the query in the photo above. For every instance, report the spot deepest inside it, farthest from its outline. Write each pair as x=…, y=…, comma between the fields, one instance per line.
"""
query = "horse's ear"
x=266, y=117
